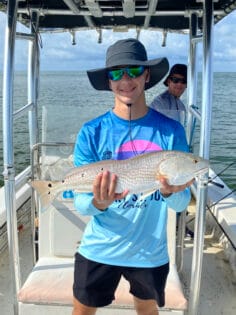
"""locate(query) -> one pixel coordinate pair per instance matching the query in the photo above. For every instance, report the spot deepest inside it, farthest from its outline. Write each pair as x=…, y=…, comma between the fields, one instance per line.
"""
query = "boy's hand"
x=167, y=190
x=104, y=190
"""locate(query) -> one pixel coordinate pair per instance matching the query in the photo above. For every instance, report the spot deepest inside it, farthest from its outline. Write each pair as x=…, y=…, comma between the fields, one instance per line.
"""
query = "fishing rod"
x=211, y=180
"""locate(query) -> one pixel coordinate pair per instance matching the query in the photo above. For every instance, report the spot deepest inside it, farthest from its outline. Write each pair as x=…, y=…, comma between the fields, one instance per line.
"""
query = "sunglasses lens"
x=117, y=74
x=178, y=80
x=135, y=71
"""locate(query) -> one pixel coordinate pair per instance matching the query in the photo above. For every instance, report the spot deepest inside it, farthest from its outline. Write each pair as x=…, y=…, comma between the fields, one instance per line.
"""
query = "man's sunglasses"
x=132, y=72
x=178, y=80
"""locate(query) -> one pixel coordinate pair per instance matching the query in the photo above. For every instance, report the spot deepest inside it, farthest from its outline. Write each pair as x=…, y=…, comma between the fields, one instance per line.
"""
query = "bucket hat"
x=128, y=52
x=178, y=68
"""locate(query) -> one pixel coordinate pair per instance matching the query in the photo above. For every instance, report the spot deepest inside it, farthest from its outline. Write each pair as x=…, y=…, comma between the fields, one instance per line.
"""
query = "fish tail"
x=45, y=190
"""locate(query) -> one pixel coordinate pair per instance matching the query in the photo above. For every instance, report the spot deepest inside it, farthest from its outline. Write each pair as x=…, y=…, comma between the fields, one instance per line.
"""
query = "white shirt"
x=170, y=106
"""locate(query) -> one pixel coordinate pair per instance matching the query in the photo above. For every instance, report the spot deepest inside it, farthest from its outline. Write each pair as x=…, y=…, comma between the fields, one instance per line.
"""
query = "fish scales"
x=140, y=174
x=134, y=173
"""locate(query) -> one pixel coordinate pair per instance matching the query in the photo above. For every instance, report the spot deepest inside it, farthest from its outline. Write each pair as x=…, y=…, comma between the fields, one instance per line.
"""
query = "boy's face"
x=129, y=90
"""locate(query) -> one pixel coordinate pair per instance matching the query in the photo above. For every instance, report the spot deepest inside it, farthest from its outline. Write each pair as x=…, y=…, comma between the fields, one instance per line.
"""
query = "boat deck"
x=218, y=287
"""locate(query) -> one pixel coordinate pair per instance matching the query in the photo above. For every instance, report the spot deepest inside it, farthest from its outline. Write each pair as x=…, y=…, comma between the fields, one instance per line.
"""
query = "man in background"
x=169, y=103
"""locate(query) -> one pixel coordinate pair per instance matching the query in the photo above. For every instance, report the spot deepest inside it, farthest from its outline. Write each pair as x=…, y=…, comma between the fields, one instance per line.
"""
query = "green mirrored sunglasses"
x=132, y=72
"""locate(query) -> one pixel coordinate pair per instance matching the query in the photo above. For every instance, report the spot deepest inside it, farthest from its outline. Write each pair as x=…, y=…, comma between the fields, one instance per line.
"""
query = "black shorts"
x=95, y=283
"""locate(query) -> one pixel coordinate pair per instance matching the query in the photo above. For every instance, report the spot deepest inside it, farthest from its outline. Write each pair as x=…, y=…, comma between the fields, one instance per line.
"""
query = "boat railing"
x=38, y=157
x=21, y=111
x=8, y=130
x=205, y=127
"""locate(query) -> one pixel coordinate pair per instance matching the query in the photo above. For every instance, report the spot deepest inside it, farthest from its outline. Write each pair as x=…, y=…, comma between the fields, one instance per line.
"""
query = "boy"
x=127, y=233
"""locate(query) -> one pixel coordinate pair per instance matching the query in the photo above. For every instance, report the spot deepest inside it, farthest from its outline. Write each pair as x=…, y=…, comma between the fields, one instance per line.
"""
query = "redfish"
x=140, y=174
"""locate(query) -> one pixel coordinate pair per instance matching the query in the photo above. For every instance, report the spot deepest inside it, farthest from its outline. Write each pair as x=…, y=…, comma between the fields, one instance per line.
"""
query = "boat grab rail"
x=26, y=36
x=35, y=159
x=22, y=178
x=194, y=110
x=18, y=113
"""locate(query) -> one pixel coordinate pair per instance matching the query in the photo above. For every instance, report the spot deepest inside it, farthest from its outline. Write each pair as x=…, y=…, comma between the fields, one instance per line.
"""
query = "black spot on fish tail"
x=45, y=191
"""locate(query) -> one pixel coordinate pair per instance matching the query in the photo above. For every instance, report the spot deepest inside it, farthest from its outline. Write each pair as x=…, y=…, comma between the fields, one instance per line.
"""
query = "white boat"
x=46, y=267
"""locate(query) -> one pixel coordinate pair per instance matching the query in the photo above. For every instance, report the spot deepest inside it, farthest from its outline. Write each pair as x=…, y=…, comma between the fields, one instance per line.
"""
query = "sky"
x=58, y=53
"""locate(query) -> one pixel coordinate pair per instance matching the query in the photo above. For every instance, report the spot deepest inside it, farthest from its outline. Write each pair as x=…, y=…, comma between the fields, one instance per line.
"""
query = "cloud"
x=87, y=53
x=225, y=44
x=59, y=53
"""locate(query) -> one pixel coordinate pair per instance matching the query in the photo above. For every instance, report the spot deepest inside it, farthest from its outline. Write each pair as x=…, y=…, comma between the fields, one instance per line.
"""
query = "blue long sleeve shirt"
x=132, y=231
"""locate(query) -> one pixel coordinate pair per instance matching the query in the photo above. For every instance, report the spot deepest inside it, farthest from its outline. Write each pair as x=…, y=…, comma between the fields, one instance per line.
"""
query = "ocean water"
x=67, y=100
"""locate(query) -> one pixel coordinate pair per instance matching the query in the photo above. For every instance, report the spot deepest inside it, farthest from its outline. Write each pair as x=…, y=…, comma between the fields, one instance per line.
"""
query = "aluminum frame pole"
x=8, y=150
x=197, y=258
x=191, y=96
x=33, y=86
x=33, y=78
x=192, y=76
x=207, y=79
x=204, y=152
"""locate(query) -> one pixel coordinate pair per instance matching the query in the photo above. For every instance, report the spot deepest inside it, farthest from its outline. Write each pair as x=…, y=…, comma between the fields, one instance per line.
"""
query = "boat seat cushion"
x=51, y=282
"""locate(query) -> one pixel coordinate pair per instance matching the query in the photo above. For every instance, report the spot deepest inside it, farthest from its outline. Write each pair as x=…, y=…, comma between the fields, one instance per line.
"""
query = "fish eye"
x=49, y=185
x=195, y=161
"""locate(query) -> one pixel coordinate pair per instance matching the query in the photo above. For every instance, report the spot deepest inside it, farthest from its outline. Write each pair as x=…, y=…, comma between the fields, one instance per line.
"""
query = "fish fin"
x=45, y=191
